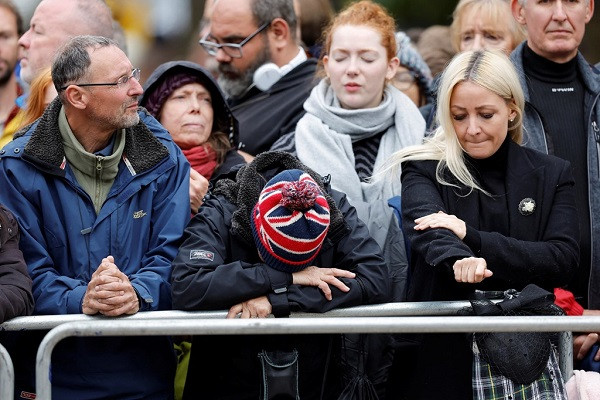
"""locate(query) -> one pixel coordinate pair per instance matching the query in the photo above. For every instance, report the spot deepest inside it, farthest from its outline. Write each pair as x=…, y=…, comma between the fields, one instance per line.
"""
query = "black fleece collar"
x=45, y=148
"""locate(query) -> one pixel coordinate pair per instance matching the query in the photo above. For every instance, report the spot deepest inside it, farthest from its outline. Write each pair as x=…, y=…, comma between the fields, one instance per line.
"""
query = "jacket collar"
x=591, y=79
x=45, y=148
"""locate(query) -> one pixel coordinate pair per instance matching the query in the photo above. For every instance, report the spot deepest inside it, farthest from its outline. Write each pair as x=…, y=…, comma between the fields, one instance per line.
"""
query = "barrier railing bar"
x=45, y=322
x=7, y=375
x=318, y=325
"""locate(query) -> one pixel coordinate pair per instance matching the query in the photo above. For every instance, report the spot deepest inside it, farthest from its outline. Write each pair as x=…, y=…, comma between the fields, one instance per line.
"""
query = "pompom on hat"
x=290, y=221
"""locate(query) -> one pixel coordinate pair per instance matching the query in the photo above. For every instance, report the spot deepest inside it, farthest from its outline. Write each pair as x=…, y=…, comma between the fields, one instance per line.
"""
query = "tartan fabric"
x=487, y=385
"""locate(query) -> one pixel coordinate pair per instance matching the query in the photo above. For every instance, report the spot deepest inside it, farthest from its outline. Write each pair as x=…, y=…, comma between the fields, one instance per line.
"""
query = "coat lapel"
x=524, y=181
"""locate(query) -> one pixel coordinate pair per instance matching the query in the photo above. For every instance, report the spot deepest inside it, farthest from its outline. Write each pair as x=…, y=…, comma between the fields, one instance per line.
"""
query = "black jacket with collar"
x=231, y=272
x=265, y=116
x=542, y=248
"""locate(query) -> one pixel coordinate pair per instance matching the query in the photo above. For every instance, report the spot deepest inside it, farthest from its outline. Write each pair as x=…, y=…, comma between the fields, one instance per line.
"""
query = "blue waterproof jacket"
x=64, y=240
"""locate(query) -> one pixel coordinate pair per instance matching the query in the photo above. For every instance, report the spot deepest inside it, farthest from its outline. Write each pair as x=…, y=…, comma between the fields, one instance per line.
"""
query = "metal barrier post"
x=7, y=375
x=317, y=325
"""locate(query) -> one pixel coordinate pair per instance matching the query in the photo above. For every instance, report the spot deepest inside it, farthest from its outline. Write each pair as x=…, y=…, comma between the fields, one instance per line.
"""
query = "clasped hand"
x=109, y=292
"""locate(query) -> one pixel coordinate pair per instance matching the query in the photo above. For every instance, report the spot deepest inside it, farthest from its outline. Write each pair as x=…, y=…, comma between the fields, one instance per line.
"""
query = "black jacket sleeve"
x=355, y=251
x=16, y=298
x=421, y=197
x=207, y=277
x=204, y=277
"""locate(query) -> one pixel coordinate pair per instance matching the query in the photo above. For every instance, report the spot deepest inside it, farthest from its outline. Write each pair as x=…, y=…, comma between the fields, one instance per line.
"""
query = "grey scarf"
x=325, y=134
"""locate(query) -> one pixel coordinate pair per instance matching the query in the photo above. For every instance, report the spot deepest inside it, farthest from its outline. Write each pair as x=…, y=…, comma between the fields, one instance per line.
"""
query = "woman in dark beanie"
x=187, y=101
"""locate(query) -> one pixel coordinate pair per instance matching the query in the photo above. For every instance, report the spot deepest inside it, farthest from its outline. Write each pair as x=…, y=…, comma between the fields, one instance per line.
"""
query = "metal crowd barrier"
x=7, y=375
x=382, y=318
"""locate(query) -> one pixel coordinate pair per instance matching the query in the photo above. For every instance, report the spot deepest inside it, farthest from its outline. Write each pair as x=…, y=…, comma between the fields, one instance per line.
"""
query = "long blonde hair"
x=489, y=69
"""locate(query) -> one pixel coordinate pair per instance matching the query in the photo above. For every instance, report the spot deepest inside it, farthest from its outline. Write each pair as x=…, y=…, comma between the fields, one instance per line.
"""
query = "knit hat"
x=411, y=59
x=290, y=221
x=170, y=83
x=172, y=75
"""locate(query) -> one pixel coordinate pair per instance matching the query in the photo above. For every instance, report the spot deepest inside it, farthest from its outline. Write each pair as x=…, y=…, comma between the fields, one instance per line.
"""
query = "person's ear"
x=77, y=97
x=589, y=11
x=326, y=65
x=392, y=68
x=279, y=33
x=518, y=11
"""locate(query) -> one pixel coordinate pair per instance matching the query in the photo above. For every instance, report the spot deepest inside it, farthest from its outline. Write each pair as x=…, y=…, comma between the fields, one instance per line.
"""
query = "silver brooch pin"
x=527, y=206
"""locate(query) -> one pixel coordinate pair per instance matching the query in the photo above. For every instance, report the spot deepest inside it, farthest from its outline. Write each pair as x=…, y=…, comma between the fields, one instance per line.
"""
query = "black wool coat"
x=541, y=248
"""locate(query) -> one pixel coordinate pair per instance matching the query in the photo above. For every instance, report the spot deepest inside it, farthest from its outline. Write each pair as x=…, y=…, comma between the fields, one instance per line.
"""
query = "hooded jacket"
x=64, y=240
x=535, y=137
x=224, y=121
x=218, y=266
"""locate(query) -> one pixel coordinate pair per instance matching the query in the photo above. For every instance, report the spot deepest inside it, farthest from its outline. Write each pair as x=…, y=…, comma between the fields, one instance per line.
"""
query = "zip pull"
x=596, y=131
x=99, y=163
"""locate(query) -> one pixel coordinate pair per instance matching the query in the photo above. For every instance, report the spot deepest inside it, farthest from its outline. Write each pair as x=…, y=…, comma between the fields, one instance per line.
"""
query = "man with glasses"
x=102, y=194
x=263, y=70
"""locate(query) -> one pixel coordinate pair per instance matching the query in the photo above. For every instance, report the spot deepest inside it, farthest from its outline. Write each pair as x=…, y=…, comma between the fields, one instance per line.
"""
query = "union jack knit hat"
x=290, y=221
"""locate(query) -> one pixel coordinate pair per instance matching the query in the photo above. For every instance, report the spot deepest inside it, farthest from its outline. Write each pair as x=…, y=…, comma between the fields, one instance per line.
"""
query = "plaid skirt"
x=488, y=385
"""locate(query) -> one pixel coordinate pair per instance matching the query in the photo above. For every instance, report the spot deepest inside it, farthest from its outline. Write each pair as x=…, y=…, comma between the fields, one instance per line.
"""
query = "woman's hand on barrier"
x=322, y=278
x=259, y=307
x=471, y=270
x=442, y=220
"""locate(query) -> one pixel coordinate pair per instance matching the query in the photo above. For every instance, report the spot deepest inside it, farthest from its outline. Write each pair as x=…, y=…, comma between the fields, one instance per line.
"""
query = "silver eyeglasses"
x=122, y=81
x=233, y=50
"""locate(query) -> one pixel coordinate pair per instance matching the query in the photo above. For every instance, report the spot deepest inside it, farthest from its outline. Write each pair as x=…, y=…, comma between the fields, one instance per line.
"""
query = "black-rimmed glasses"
x=122, y=81
x=233, y=50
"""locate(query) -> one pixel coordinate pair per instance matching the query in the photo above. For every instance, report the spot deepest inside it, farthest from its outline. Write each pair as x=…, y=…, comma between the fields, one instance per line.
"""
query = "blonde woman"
x=485, y=24
x=481, y=212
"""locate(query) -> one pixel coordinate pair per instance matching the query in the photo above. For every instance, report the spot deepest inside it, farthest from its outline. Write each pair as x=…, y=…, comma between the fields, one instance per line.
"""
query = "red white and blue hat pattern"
x=290, y=221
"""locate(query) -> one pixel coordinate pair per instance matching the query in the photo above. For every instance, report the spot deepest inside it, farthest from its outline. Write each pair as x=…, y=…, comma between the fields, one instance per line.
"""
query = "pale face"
x=555, y=28
x=188, y=115
x=112, y=107
x=232, y=22
x=52, y=23
x=479, y=33
x=357, y=66
x=9, y=48
x=480, y=119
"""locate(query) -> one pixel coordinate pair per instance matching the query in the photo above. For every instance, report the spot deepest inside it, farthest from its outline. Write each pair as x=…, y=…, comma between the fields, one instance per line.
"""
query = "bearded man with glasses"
x=102, y=196
x=263, y=70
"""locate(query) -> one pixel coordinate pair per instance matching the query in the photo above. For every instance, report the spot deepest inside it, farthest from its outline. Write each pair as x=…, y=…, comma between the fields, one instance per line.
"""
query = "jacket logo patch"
x=202, y=255
x=139, y=214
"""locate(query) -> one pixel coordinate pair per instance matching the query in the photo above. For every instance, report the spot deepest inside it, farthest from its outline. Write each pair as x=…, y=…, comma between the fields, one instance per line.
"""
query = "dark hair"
x=10, y=6
x=72, y=60
x=265, y=11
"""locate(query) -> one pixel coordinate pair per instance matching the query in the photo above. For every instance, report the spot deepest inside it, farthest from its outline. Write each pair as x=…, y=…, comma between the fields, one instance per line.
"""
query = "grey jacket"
x=536, y=138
